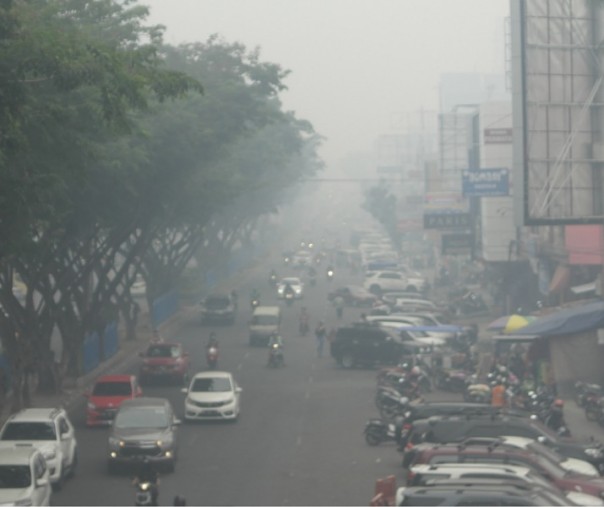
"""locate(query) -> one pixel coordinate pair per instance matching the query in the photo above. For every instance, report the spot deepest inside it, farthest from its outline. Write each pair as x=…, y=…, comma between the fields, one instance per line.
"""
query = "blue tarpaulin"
x=569, y=321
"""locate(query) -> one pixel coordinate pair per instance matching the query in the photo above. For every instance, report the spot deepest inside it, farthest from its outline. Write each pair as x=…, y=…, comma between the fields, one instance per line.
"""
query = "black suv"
x=218, y=308
x=369, y=344
x=447, y=429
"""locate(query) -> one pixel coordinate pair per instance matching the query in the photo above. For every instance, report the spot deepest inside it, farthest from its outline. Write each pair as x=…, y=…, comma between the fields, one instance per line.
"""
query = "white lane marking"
x=239, y=366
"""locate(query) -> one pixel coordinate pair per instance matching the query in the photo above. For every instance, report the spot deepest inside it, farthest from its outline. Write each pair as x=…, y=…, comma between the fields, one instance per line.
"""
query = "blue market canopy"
x=569, y=321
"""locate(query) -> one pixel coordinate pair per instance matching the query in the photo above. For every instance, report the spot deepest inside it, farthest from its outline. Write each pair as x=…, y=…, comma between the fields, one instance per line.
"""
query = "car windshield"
x=291, y=281
x=112, y=389
x=162, y=351
x=211, y=385
x=14, y=476
x=142, y=417
x=217, y=302
x=29, y=431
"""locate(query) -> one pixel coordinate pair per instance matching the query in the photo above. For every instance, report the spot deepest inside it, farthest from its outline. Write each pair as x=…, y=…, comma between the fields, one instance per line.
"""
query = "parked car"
x=212, y=395
x=367, y=344
x=50, y=431
x=143, y=427
x=434, y=454
x=425, y=475
x=295, y=284
x=24, y=478
x=218, y=308
x=445, y=429
x=165, y=360
x=478, y=492
x=353, y=295
x=379, y=282
x=107, y=394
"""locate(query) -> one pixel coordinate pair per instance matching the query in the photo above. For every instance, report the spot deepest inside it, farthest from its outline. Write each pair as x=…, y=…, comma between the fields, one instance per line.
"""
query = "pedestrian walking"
x=320, y=333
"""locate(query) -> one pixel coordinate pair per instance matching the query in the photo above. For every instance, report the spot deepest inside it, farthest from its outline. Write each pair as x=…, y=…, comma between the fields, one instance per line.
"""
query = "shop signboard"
x=485, y=182
x=457, y=244
x=447, y=221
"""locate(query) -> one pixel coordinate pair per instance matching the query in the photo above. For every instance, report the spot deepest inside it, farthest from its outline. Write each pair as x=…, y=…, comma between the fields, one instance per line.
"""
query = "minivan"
x=265, y=322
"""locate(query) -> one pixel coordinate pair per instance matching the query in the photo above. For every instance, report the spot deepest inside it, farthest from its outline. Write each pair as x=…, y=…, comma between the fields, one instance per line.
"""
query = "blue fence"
x=91, y=350
x=94, y=350
x=164, y=307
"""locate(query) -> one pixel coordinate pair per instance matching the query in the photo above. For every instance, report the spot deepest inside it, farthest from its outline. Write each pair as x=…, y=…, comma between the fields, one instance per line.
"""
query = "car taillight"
x=410, y=476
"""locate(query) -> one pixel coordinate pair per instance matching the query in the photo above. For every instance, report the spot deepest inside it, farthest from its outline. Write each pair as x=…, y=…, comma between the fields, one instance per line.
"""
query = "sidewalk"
x=74, y=389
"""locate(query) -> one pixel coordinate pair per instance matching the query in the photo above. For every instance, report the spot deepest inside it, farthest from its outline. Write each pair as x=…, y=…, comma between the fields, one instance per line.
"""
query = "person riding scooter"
x=304, y=321
x=254, y=298
x=147, y=475
x=212, y=351
x=275, y=350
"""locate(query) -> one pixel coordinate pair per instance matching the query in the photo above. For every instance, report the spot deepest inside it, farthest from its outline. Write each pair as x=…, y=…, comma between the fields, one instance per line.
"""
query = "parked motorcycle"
x=451, y=380
x=477, y=392
x=212, y=357
x=585, y=393
x=378, y=431
x=390, y=403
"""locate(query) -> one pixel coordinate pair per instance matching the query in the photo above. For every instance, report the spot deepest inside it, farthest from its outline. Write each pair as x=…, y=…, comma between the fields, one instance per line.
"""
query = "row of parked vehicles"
x=471, y=454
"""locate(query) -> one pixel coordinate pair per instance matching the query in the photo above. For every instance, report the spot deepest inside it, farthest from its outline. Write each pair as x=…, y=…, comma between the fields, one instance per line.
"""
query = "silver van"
x=265, y=321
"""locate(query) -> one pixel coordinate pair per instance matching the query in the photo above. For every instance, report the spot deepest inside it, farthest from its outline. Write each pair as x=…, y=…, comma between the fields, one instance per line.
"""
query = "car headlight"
x=91, y=406
x=594, y=452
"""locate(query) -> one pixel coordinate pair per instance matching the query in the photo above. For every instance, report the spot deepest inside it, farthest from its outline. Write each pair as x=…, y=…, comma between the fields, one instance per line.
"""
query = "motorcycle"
x=476, y=392
x=212, y=357
x=585, y=393
x=272, y=280
x=275, y=356
x=391, y=404
x=312, y=279
x=144, y=493
x=289, y=298
x=451, y=380
x=330, y=275
x=378, y=431
x=255, y=302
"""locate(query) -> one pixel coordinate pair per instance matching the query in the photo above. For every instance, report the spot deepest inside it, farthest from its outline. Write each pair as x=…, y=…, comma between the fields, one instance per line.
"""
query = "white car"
x=419, y=336
x=302, y=258
x=48, y=430
x=408, y=321
x=378, y=282
x=212, y=395
x=295, y=284
x=24, y=478
x=468, y=471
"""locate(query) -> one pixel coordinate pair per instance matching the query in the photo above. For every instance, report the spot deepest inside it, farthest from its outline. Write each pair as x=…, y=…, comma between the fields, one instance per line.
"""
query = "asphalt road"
x=299, y=439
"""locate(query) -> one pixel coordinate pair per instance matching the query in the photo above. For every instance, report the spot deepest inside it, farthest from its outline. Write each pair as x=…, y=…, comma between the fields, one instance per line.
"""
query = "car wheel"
x=372, y=438
x=57, y=486
x=347, y=360
x=74, y=464
x=375, y=289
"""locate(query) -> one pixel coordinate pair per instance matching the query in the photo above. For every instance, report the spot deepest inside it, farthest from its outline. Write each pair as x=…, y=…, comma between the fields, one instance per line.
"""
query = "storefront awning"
x=573, y=320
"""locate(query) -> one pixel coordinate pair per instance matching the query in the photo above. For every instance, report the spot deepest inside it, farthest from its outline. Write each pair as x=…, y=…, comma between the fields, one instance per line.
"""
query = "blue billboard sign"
x=485, y=182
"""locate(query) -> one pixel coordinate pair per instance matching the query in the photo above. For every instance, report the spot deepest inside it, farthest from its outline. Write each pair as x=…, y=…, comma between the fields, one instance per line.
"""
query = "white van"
x=265, y=321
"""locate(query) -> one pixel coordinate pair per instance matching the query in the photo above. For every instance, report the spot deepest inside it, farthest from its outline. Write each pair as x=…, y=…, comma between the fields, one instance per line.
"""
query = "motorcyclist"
x=275, y=345
x=212, y=342
x=330, y=272
x=254, y=297
x=555, y=418
x=147, y=473
x=272, y=277
x=288, y=289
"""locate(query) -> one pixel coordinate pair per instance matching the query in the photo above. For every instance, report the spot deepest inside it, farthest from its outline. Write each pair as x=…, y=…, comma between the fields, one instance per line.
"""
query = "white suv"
x=23, y=477
x=48, y=430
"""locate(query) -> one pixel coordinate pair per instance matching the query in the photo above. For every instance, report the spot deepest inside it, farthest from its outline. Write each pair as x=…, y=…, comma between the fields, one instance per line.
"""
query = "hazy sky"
x=356, y=64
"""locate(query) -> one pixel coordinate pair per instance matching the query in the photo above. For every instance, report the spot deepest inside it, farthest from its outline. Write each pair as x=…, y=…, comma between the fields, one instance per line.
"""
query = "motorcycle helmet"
x=415, y=371
x=558, y=403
